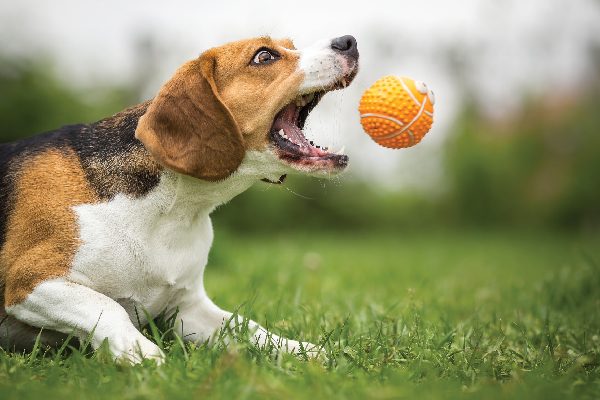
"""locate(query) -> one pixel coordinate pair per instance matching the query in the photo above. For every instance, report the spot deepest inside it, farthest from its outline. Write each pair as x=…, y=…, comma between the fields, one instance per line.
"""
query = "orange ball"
x=397, y=111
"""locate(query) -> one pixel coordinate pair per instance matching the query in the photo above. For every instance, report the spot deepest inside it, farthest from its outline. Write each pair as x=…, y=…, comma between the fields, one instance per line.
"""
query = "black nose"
x=345, y=45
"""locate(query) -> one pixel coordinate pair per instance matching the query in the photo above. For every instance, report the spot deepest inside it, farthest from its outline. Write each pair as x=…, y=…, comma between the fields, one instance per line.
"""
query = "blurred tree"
x=539, y=167
x=308, y=203
x=33, y=100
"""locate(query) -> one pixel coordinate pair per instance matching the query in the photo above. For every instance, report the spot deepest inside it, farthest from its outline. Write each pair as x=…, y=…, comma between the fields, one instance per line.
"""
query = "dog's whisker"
x=298, y=194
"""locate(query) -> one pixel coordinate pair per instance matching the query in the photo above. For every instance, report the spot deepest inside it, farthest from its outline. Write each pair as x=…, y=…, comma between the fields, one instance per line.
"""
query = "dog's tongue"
x=287, y=119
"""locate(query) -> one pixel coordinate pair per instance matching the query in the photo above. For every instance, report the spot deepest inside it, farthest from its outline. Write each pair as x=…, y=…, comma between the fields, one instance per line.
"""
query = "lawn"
x=475, y=314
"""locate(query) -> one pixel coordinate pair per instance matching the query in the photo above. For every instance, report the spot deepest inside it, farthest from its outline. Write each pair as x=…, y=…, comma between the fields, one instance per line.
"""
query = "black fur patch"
x=114, y=161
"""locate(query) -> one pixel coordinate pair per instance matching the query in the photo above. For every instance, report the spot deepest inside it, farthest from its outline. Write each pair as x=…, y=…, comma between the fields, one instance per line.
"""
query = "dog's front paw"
x=135, y=350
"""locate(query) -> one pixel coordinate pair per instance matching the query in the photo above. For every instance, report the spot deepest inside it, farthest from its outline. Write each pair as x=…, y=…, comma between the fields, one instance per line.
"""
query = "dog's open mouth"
x=291, y=144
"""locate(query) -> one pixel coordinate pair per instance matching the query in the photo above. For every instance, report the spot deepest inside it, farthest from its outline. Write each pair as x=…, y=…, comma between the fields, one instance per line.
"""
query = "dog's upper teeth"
x=282, y=133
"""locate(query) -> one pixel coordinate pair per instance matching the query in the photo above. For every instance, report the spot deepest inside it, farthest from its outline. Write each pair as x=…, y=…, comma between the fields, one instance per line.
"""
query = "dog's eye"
x=264, y=56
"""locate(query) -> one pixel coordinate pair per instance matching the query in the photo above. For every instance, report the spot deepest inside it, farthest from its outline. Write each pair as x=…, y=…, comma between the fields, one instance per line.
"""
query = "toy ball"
x=397, y=111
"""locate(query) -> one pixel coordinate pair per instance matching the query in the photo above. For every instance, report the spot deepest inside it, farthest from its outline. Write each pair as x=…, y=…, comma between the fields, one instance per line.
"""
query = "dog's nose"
x=345, y=45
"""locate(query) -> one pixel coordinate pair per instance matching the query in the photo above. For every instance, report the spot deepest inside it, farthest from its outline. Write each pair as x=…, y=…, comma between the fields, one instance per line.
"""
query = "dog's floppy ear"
x=187, y=127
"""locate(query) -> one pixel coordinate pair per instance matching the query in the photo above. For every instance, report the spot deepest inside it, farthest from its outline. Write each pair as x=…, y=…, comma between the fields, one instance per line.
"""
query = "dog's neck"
x=188, y=194
x=165, y=190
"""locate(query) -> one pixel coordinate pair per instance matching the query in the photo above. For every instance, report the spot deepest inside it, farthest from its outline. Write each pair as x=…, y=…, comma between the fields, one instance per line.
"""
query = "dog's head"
x=252, y=95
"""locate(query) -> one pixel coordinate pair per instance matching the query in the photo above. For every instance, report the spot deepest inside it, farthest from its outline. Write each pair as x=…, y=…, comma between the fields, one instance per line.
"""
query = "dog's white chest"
x=151, y=251
x=146, y=252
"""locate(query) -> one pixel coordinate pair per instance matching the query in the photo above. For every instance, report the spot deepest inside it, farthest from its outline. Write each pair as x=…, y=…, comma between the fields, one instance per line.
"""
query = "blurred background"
x=516, y=138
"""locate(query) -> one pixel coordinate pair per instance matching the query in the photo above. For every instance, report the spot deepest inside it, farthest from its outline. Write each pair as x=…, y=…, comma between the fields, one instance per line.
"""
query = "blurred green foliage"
x=310, y=204
x=540, y=167
x=33, y=99
x=536, y=168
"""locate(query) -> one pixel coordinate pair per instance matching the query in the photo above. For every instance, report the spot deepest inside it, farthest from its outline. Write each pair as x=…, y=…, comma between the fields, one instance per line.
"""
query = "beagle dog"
x=101, y=221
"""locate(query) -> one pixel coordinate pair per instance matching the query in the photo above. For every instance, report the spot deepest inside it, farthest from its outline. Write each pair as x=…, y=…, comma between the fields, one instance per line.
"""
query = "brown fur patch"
x=255, y=94
x=42, y=234
x=187, y=127
x=218, y=106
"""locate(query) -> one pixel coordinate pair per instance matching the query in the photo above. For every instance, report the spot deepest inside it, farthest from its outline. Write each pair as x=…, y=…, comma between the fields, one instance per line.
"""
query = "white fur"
x=156, y=247
x=146, y=255
x=67, y=307
x=321, y=66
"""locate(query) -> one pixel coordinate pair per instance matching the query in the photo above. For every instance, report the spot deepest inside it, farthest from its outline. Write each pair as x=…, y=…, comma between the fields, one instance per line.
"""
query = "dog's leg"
x=17, y=336
x=69, y=307
x=200, y=319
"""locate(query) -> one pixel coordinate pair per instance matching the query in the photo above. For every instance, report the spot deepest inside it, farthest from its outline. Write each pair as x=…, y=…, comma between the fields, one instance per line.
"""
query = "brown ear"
x=187, y=127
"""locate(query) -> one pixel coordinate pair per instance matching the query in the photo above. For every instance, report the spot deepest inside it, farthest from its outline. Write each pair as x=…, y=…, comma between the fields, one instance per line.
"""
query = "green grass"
x=440, y=315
